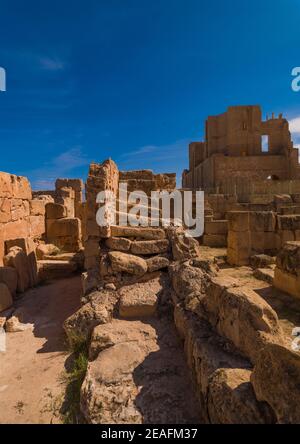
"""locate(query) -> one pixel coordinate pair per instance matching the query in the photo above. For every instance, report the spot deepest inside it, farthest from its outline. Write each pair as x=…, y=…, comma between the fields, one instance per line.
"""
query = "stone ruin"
x=232, y=295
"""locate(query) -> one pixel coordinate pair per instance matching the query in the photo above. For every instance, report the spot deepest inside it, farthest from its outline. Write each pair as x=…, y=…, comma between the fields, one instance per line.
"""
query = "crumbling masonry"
x=233, y=295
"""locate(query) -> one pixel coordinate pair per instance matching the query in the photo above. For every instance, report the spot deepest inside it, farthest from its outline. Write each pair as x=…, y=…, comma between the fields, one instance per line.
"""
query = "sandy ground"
x=31, y=369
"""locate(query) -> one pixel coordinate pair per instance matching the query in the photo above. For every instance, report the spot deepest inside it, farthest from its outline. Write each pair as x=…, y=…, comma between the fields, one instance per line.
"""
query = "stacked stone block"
x=62, y=231
x=250, y=233
x=114, y=252
x=287, y=271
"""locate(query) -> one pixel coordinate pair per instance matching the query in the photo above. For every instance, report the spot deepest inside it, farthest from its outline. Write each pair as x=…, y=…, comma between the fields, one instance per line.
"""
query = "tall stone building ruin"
x=239, y=146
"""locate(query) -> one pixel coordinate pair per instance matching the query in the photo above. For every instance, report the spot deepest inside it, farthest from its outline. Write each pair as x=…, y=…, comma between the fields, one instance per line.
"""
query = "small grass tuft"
x=74, y=378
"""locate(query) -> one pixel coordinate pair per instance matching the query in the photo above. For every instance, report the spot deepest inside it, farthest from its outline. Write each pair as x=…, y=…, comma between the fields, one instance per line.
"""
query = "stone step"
x=149, y=247
x=149, y=233
x=264, y=274
x=146, y=221
x=143, y=207
x=55, y=269
x=137, y=247
x=140, y=300
x=77, y=258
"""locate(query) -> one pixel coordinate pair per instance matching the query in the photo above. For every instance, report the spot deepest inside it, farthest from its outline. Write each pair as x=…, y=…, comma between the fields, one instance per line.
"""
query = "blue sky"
x=135, y=79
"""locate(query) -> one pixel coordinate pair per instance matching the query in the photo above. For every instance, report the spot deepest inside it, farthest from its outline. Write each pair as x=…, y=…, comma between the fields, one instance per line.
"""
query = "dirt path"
x=31, y=368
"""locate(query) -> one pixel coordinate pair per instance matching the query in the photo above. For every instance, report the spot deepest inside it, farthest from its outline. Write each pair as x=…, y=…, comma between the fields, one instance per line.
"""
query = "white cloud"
x=60, y=166
x=294, y=125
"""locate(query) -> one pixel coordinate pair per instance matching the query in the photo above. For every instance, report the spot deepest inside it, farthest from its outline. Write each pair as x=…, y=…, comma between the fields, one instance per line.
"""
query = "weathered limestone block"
x=208, y=356
x=261, y=261
x=5, y=210
x=287, y=282
x=109, y=384
x=295, y=209
x=231, y=399
x=238, y=220
x=5, y=297
x=55, y=269
x=288, y=258
x=157, y=263
x=138, y=232
x=107, y=335
x=236, y=257
x=2, y=248
x=285, y=236
x=19, y=209
x=149, y=246
x=289, y=222
x=165, y=181
x=188, y=280
x=29, y=247
x=183, y=246
x=18, y=259
x=93, y=229
x=261, y=199
x=141, y=299
x=97, y=311
x=262, y=221
x=55, y=211
x=216, y=227
x=37, y=207
x=9, y=277
x=21, y=188
x=43, y=250
x=75, y=184
x=240, y=315
x=122, y=262
x=5, y=185
x=37, y=226
x=118, y=243
x=262, y=241
x=17, y=229
x=264, y=274
x=239, y=247
x=135, y=174
x=215, y=240
x=65, y=234
x=276, y=380
x=92, y=247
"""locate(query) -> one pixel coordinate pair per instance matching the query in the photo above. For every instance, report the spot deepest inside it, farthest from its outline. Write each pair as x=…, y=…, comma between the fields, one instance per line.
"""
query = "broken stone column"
x=101, y=177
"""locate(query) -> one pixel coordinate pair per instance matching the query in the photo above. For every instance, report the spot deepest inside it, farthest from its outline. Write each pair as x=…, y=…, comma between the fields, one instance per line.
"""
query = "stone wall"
x=101, y=177
x=62, y=230
x=100, y=240
x=20, y=215
x=235, y=347
x=255, y=232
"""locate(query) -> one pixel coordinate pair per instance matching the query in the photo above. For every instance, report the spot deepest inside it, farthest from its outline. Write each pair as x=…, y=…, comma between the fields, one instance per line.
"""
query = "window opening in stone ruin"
x=265, y=144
